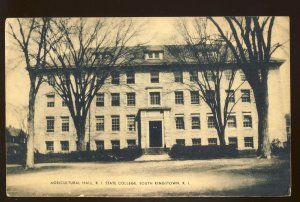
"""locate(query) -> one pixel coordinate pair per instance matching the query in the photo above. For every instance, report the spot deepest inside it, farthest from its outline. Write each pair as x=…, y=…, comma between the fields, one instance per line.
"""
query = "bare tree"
x=30, y=35
x=252, y=47
x=211, y=57
x=84, y=53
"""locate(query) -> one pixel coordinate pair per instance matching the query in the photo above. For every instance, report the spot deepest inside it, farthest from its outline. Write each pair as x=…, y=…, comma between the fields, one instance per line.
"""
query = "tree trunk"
x=30, y=126
x=80, y=130
x=221, y=135
x=262, y=106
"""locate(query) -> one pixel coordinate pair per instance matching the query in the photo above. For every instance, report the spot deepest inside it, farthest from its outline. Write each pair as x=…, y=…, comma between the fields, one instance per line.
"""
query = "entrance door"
x=155, y=133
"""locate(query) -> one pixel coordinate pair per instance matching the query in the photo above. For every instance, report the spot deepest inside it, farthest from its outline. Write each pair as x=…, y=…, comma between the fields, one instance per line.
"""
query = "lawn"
x=222, y=177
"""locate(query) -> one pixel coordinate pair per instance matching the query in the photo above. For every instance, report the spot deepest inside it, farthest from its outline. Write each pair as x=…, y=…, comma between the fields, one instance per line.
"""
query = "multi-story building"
x=154, y=103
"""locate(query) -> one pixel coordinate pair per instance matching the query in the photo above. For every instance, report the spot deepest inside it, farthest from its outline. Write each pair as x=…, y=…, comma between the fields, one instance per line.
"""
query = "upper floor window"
x=179, y=97
x=210, y=95
x=51, y=80
x=196, y=121
x=154, y=77
x=99, y=145
x=130, y=77
x=154, y=98
x=130, y=99
x=115, y=77
x=210, y=121
x=231, y=97
x=100, y=100
x=99, y=123
x=115, y=99
x=115, y=123
x=193, y=76
x=245, y=95
x=154, y=55
x=179, y=122
x=178, y=77
x=64, y=145
x=50, y=123
x=231, y=121
x=247, y=123
x=65, y=124
x=130, y=123
x=63, y=103
x=210, y=75
x=195, y=97
x=50, y=100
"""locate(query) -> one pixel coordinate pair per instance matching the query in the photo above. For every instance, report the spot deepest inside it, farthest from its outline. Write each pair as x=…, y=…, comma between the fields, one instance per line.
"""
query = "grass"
x=222, y=177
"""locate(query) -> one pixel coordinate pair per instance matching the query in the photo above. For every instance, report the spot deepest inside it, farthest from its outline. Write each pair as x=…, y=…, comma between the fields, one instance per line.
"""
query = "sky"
x=156, y=31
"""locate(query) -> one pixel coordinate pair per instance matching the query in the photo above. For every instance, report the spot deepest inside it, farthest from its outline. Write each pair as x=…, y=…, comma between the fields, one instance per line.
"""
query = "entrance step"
x=155, y=151
x=157, y=157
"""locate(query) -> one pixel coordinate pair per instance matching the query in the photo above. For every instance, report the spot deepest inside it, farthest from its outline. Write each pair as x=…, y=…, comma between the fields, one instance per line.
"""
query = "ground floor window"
x=49, y=146
x=196, y=142
x=248, y=141
x=233, y=141
x=64, y=145
x=99, y=145
x=115, y=144
x=180, y=142
x=212, y=141
x=131, y=143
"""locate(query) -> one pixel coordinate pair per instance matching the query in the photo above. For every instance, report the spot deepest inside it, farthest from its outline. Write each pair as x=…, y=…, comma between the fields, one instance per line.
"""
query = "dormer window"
x=154, y=55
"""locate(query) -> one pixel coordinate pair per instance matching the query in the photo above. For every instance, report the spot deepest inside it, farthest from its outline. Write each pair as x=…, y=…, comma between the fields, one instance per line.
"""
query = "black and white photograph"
x=193, y=106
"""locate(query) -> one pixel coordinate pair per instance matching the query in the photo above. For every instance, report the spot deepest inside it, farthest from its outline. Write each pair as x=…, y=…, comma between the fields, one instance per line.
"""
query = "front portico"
x=153, y=127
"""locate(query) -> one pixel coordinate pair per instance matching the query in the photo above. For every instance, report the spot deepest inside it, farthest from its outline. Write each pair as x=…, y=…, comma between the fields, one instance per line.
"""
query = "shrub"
x=202, y=152
x=278, y=149
x=126, y=154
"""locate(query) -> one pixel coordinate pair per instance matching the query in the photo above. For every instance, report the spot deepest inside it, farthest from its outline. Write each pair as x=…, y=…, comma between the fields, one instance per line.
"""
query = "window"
x=99, y=123
x=154, y=98
x=179, y=97
x=195, y=97
x=130, y=77
x=50, y=100
x=210, y=76
x=231, y=121
x=156, y=55
x=228, y=74
x=193, y=76
x=248, y=141
x=180, y=142
x=243, y=77
x=131, y=123
x=196, y=122
x=233, y=141
x=63, y=103
x=130, y=99
x=245, y=95
x=99, y=80
x=247, y=123
x=51, y=80
x=115, y=123
x=50, y=123
x=210, y=95
x=49, y=146
x=231, y=97
x=178, y=77
x=64, y=145
x=115, y=78
x=99, y=145
x=65, y=124
x=100, y=100
x=154, y=77
x=115, y=99
x=179, y=122
x=131, y=143
x=210, y=121
x=196, y=141
x=212, y=141
x=153, y=55
x=115, y=144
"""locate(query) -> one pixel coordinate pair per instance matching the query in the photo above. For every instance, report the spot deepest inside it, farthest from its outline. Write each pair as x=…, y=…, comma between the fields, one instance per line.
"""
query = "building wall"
x=142, y=87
